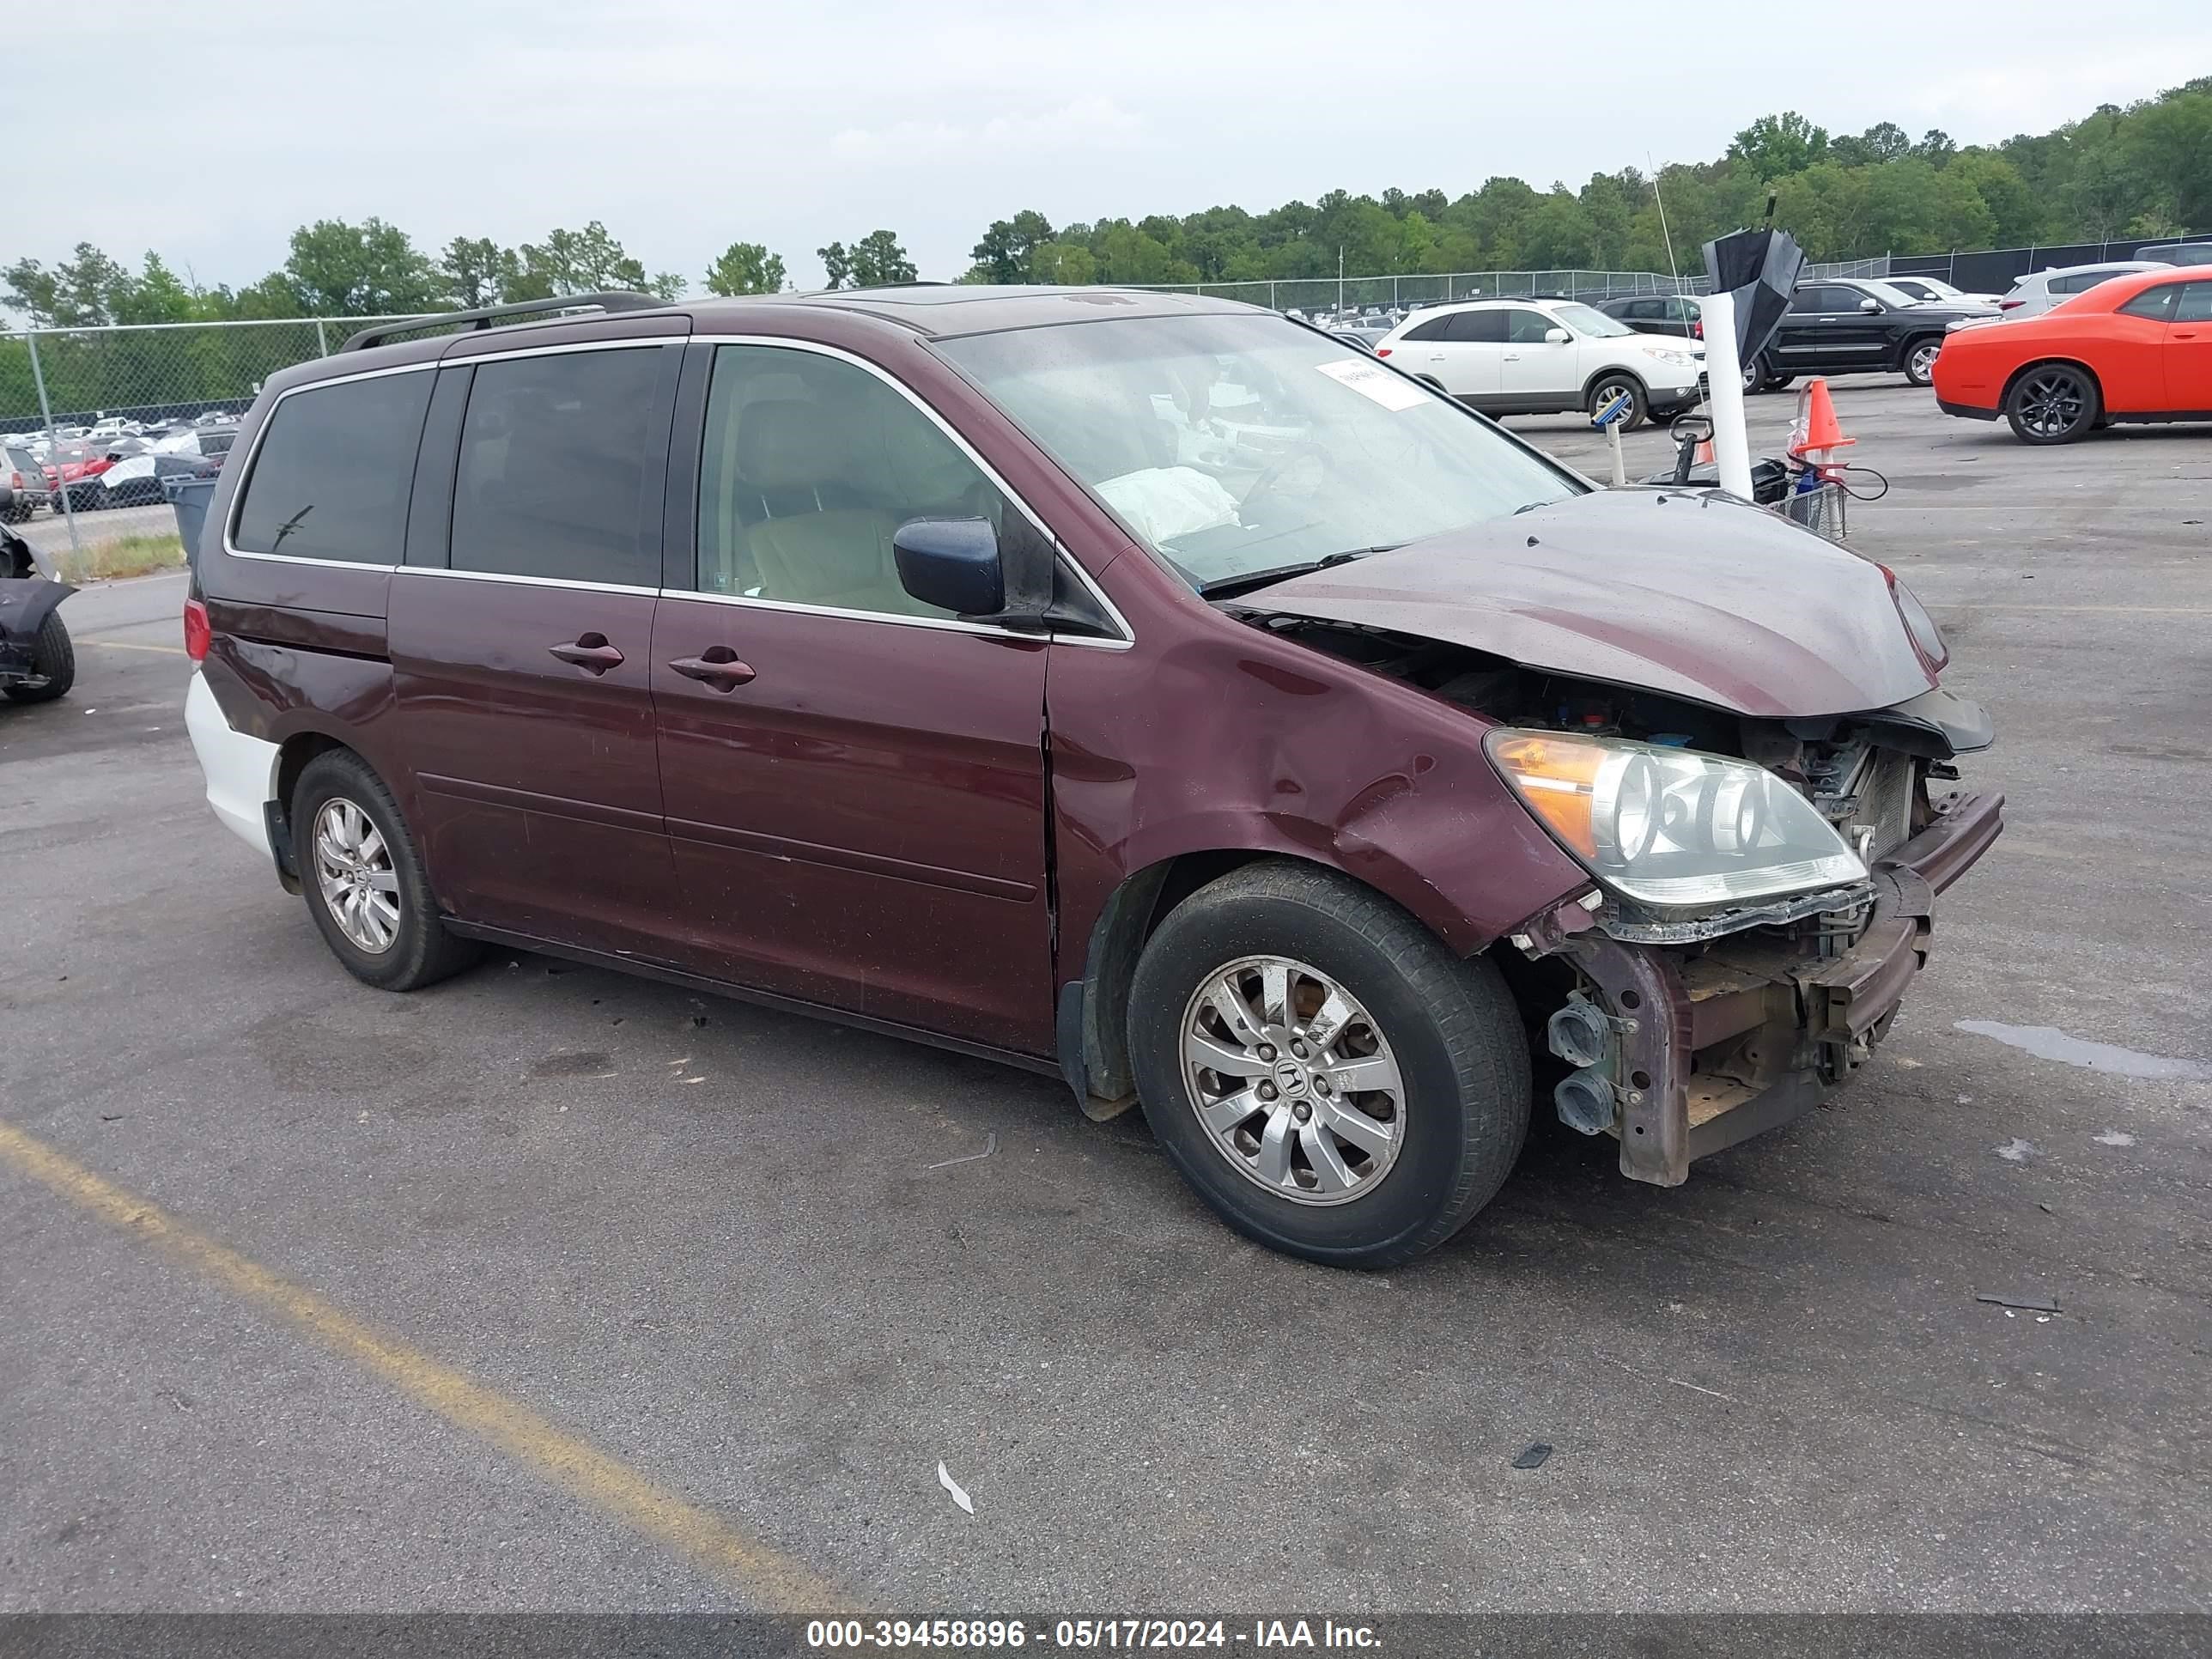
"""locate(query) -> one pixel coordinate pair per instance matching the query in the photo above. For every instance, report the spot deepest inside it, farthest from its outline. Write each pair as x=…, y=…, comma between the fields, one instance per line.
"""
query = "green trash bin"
x=188, y=499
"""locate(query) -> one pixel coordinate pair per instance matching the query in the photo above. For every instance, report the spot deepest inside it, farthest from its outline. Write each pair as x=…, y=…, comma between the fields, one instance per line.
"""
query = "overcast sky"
x=208, y=132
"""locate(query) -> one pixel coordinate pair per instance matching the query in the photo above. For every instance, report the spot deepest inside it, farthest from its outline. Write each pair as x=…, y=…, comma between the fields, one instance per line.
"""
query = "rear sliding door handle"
x=590, y=652
x=717, y=666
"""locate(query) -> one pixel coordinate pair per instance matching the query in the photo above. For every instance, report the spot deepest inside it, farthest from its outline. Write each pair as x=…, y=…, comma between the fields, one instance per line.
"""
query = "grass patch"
x=126, y=555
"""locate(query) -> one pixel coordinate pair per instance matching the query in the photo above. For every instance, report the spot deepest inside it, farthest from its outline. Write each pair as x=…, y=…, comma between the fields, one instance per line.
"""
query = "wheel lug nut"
x=1267, y=1051
x=1320, y=1086
x=1302, y=1111
x=1266, y=1092
x=1299, y=1049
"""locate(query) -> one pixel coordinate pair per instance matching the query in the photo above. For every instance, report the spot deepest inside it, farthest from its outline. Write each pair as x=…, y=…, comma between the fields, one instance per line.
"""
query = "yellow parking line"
x=127, y=645
x=765, y=1576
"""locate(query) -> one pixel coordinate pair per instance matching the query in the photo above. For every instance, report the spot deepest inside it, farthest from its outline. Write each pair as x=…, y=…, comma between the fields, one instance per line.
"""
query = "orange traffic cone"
x=1704, y=457
x=1817, y=431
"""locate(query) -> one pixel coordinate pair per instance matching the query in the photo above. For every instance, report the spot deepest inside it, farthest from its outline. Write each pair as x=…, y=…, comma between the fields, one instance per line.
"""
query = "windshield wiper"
x=1227, y=586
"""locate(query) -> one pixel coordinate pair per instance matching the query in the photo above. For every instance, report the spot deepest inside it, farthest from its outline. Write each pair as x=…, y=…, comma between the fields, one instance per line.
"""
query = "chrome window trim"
x=231, y=549
x=1126, y=640
x=1061, y=552
x=517, y=580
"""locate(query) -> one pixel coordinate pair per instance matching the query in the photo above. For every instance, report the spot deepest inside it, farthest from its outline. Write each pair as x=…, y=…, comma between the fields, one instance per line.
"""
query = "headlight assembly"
x=1678, y=359
x=1671, y=828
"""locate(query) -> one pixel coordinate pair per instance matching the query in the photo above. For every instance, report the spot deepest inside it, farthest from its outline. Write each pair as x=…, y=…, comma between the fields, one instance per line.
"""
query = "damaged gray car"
x=37, y=664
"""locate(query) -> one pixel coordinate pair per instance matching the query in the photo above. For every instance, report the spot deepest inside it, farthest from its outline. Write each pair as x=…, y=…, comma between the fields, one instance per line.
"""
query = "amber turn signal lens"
x=1557, y=779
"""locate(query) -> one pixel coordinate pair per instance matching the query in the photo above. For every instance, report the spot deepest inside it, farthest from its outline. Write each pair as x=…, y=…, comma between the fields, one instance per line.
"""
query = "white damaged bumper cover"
x=241, y=770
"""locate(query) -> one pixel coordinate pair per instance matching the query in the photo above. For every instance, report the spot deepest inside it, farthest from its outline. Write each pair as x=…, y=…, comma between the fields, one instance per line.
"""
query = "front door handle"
x=717, y=666
x=2184, y=334
x=590, y=652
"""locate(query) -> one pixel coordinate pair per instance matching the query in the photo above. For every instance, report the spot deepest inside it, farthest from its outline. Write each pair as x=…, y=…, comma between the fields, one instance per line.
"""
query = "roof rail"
x=485, y=316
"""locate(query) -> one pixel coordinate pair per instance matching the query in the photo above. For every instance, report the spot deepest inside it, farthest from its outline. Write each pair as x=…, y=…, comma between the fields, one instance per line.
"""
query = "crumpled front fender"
x=25, y=602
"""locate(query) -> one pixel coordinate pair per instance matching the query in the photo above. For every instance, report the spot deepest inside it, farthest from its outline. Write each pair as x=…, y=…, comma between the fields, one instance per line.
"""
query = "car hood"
x=1693, y=595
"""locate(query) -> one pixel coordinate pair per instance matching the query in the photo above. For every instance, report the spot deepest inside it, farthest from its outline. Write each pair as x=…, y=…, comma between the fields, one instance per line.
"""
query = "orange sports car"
x=2136, y=348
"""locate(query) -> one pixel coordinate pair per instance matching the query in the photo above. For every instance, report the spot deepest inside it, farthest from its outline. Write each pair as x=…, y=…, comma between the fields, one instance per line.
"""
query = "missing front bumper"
x=1718, y=1045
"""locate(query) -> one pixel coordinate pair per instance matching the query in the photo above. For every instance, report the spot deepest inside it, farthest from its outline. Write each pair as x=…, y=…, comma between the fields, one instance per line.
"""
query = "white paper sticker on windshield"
x=1386, y=386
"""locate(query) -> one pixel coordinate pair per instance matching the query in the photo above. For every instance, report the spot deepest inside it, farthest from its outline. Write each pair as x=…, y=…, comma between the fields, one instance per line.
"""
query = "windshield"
x=1231, y=444
x=1588, y=319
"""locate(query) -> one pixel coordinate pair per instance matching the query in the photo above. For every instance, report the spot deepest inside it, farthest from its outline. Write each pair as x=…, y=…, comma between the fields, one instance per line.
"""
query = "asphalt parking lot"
x=414, y=1258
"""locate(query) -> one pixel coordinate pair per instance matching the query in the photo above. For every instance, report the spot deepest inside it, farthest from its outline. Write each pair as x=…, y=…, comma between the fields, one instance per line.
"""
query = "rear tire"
x=2053, y=404
x=364, y=880
x=1920, y=360
x=1419, y=1055
x=54, y=659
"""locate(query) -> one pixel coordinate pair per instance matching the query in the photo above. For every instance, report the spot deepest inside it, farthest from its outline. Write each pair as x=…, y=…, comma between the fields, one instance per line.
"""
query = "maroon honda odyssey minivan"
x=1138, y=688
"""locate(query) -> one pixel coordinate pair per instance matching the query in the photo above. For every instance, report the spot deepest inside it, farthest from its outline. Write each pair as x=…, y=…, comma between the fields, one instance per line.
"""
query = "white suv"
x=1541, y=356
x=2035, y=293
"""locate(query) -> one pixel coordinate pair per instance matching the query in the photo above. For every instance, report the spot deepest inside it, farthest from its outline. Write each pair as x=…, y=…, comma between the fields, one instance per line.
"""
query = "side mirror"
x=952, y=563
x=1869, y=304
x=1557, y=336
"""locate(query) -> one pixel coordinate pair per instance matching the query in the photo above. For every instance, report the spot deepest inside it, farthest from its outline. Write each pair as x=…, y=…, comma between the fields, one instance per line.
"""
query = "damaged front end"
x=1761, y=893
x=1684, y=1047
x=27, y=598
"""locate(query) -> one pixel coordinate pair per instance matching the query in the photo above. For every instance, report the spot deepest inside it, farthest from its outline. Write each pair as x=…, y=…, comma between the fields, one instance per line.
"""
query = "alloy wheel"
x=1921, y=365
x=2053, y=403
x=1293, y=1080
x=355, y=873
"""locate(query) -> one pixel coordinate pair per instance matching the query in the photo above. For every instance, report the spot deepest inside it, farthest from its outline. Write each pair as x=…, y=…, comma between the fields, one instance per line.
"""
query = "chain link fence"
x=1331, y=295
x=93, y=419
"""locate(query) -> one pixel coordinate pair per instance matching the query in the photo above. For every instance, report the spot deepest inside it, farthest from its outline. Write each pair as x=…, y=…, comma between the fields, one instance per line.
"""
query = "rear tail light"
x=15, y=480
x=1382, y=351
x=2010, y=305
x=197, y=632
x=1697, y=331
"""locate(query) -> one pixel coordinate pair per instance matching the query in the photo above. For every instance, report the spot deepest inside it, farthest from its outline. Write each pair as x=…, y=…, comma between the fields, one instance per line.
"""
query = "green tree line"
x=2144, y=170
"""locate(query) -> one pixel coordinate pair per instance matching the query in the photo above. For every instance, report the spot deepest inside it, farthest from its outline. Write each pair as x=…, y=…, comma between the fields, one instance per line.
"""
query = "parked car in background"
x=1365, y=339
x=212, y=441
x=2178, y=253
x=1285, y=799
x=1670, y=313
x=2133, y=348
x=70, y=467
x=1852, y=325
x=1933, y=291
x=23, y=486
x=2039, y=291
x=136, y=480
x=1545, y=356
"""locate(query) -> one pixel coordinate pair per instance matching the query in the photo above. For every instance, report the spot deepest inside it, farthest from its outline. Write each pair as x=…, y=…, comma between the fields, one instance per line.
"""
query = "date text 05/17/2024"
x=1085, y=1634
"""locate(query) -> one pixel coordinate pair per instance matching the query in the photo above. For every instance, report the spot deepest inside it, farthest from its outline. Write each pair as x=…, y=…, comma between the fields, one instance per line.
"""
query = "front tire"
x=53, y=663
x=1331, y=1080
x=1609, y=386
x=2053, y=404
x=364, y=880
x=1920, y=361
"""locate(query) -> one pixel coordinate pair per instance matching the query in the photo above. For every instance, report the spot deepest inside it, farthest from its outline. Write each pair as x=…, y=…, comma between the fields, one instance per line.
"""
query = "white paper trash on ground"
x=952, y=1486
